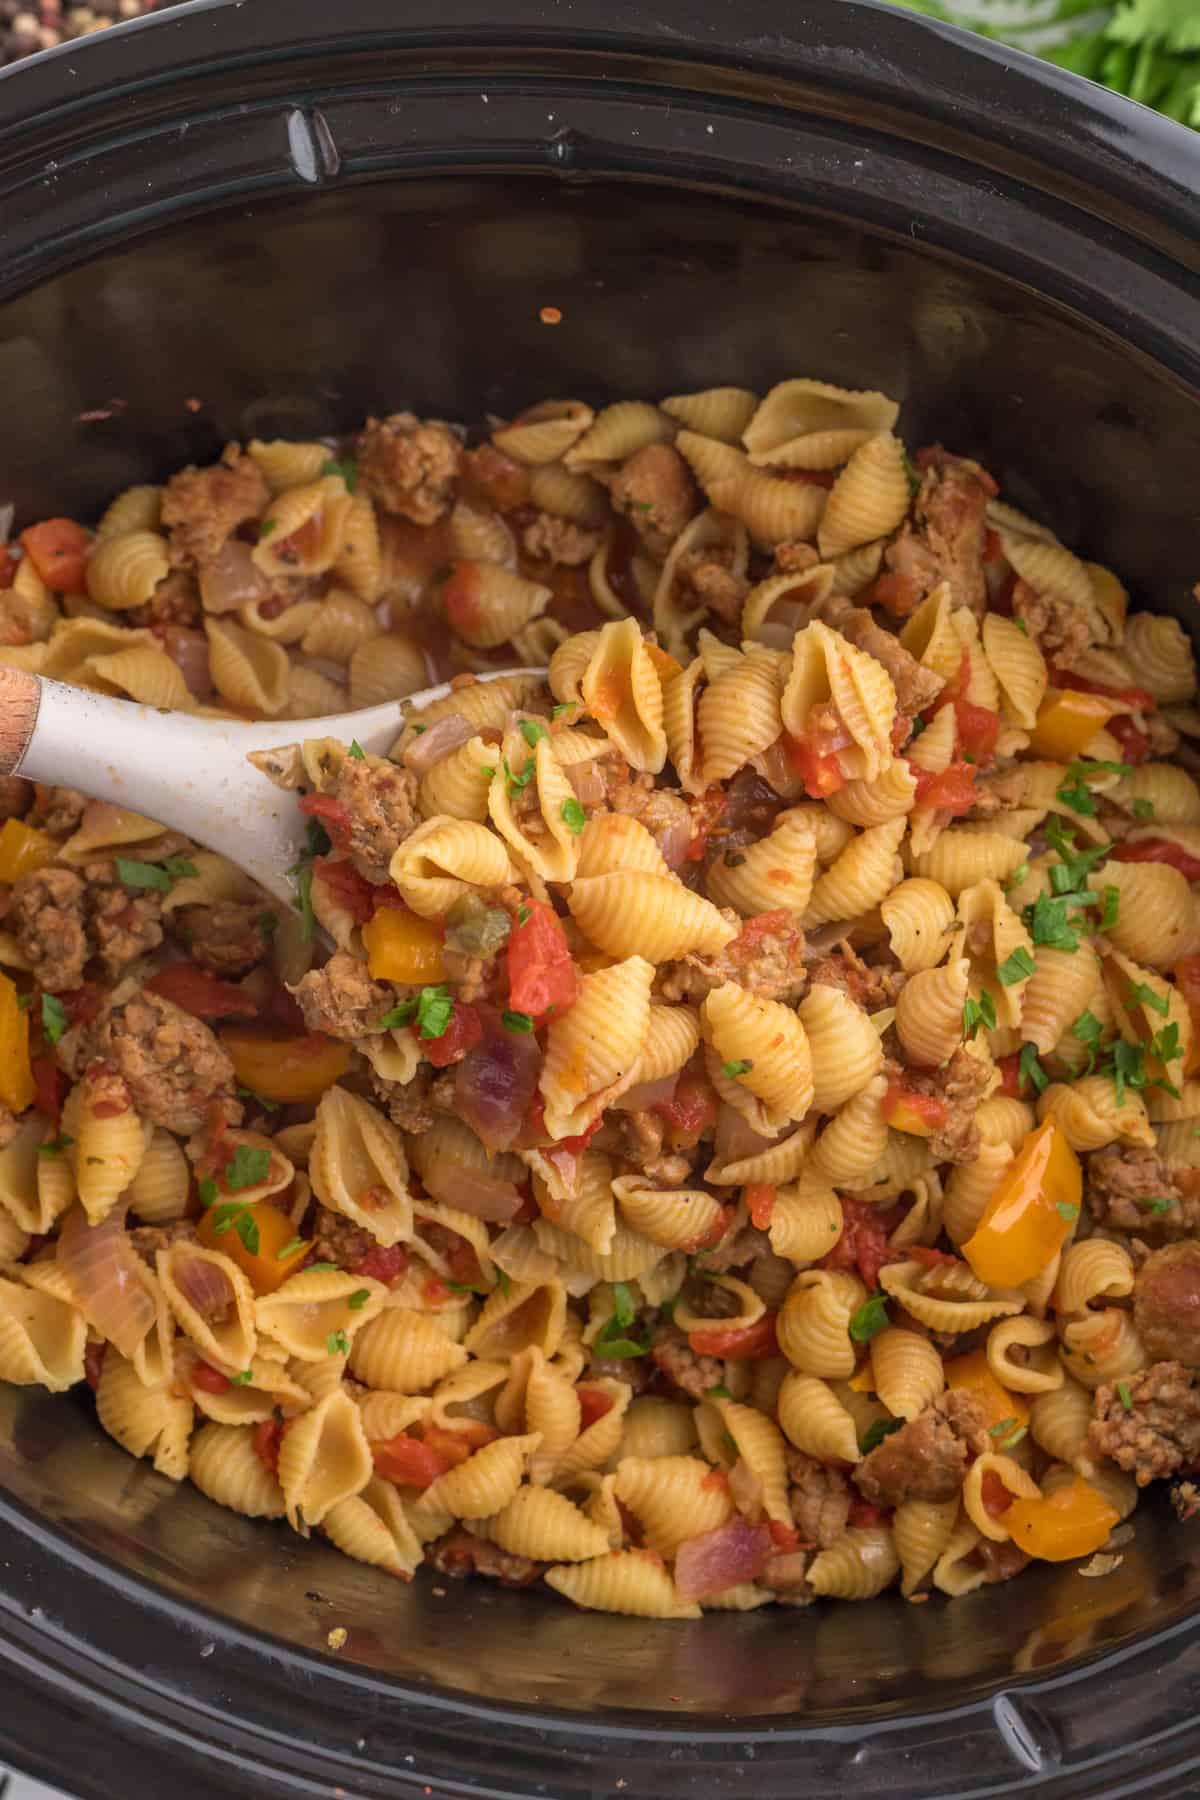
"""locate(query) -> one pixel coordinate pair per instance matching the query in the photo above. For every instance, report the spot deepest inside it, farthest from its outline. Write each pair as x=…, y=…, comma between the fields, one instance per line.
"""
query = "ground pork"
x=943, y=541
x=9, y=1127
x=228, y=937
x=999, y=792
x=341, y=1000
x=409, y=465
x=872, y=986
x=795, y=558
x=174, y=1066
x=916, y=686
x=786, y=1575
x=706, y=579
x=175, y=601
x=57, y=810
x=1149, y=1424
x=631, y=1370
x=666, y=813
x=738, y=1248
x=547, y=539
x=1125, y=1185
x=927, y=1458
x=381, y=803
x=16, y=797
x=338, y=1240
x=640, y=1145
x=960, y=1087
x=1063, y=628
x=1166, y=1303
x=121, y=926
x=407, y=1106
x=655, y=491
x=494, y=479
x=461, y=1554
x=767, y=957
x=46, y=913
x=681, y=1365
x=148, y=1240
x=202, y=508
x=820, y=1500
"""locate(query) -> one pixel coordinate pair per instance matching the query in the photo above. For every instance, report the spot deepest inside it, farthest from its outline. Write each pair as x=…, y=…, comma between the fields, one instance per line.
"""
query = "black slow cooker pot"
x=241, y=219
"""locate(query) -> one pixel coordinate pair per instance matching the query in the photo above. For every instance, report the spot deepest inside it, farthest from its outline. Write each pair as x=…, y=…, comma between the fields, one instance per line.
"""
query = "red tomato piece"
x=760, y=1198
x=384, y=1265
x=268, y=1435
x=690, y=1111
x=926, y=1106
x=950, y=790
x=210, y=1380
x=738, y=1343
x=197, y=992
x=58, y=550
x=541, y=974
x=1010, y=1076
x=463, y=1032
x=995, y=1496
x=461, y=598
x=359, y=896
x=1160, y=850
x=706, y=813
x=898, y=594
x=1139, y=699
x=456, y=1445
x=333, y=816
x=933, y=1259
x=863, y=1244
x=407, y=1461
x=593, y=1404
x=784, y=1537
x=47, y=1086
x=862, y=1513
x=93, y=1363
x=820, y=771
x=1135, y=745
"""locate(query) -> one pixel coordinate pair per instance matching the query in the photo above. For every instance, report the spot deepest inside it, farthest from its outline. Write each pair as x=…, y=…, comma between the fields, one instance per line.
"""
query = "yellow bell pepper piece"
x=293, y=1070
x=265, y=1267
x=403, y=947
x=1031, y=1212
x=973, y=1376
x=1072, y=1522
x=16, y=1075
x=863, y=1379
x=23, y=849
x=1067, y=720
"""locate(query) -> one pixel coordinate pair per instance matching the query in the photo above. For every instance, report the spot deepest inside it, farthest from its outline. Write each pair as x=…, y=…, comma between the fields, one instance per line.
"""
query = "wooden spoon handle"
x=20, y=697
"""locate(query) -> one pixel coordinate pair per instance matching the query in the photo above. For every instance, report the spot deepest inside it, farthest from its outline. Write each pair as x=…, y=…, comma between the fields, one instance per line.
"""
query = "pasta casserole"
x=743, y=1145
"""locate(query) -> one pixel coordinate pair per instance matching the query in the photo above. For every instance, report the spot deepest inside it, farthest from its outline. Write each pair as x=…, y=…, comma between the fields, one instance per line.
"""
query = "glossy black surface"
x=371, y=214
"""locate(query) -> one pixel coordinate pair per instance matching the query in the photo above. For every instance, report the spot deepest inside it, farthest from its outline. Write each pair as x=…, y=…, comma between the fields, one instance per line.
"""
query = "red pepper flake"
x=193, y=405
x=550, y=315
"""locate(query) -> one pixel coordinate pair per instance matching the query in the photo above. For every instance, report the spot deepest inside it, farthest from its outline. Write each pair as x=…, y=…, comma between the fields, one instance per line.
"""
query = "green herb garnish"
x=346, y=467
x=356, y=751
x=248, y=1166
x=875, y=1433
x=54, y=1018
x=516, y=1021
x=1017, y=967
x=870, y=1319
x=573, y=816
x=358, y=1299
x=1030, y=1069
x=731, y=1070
x=56, y=1145
x=337, y=1344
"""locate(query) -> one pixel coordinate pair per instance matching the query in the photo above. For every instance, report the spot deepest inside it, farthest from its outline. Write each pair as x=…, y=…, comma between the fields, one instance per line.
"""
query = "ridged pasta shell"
x=767, y=1037
x=404, y=1352
x=722, y=412
x=225, y=1466
x=42, y=1339
x=845, y=1048
x=372, y=1527
x=318, y=1310
x=618, y=432
x=445, y=858
x=620, y=687
x=827, y=667
x=143, y=1420
x=544, y=433
x=652, y=914
x=738, y=715
x=358, y=1167
x=1019, y=667
x=616, y=842
x=324, y=1458
x=545, y=1526
x=803, y=424
x=868, y=500
x=860, y=878
x=633, y=1582
x=486, y=1482
x=592, y=1050
x=814, y=1419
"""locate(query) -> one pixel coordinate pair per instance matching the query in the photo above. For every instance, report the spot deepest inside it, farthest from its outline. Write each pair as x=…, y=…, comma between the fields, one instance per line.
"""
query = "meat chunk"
x=927, y=1458
x=379, y=803
x=228, y=937
x=1130, y=1188
x=767, y=957
x=960, y=1086
x=690, y=1373
x=873, y=986
x=795, y=558
x=409, y=1105
x=944, y=539
x=666, y=813
x=58, y=810
x=460, y=1554
x=202, y=508
x=173, y=1064
x=46, y=913
x=409, y=465
x=655, y=490
x=547, y=539
x=1149, y=1424
x=175, y=601
x=16, y=797
x=494, y=479
x=640, y=1145
x=999, y=792
x=1166, y=1303
x=786, y=1575
x=819, y=1498
x=342, y=1000
x=1061, y=627
x=706, y=579
x=121, y=926
x=148, y=1240
x=916, y=686
x=338, y=1240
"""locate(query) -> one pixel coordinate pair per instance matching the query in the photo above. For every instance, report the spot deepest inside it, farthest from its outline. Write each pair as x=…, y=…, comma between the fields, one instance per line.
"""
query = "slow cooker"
x=248, y=219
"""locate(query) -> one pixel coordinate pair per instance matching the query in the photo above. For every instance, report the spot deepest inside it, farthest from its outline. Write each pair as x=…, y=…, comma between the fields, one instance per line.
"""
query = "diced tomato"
x=350, y=890
x=690, y=1111
x=8, y=566
x=434, y=1291
x=993, y=551
x=1010, y=1076
x=407, y=1461
x=760, y=1199
x=737, y=1343
x=933, y=1259
x=268, y=1436
x=1136, y=698
x=384, y=1265
x=950, y=790
x=716, y=1478
x=82, y=1004
x=1135, y=745
x=541, y=974
x=593, y=1404
x=927, y=1106
x=713, y=1236
x=749, y=939
x=706, y=812
x=461, y=598
x=898, y=594
x=978, y=729
x=784, y=1537
x=333, y=816
x=819, y=770
x=58, y=550
x=197, y=992
x=1160, y=850
x=1003, y=600
x=862, y=1514
x=464, y=1263
x=284, y=1009
x=995, y=1496
x=463, y=1032
x=1187, y=979
x=455, y=1445
x=210, y=1380
x=863, y=1244
x=47, y=1086
x=304, y=542
x=93, y=1363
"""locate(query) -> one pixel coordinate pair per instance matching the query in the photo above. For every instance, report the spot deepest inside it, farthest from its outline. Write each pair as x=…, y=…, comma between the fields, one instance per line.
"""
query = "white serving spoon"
x=187, y=773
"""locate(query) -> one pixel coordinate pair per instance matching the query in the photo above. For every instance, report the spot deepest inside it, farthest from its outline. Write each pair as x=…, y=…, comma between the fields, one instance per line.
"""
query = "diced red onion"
x=205, y=1286
x=439, y=741
x=734, y=1139
x=190, y=650
x=673, y=832
x=496, y=1081
x=721, y=1559
x=471, y=1191
x=646, y=1095
x=231, y=579
x=103, y=1269
x=778, y=772
x=587, y=782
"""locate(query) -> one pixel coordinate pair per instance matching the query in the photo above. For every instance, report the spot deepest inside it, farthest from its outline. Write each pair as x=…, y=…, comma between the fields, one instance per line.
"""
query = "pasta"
x=644, y=1180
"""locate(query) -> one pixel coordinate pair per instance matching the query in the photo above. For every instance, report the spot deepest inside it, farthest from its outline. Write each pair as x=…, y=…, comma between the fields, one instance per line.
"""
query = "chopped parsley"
x=1008, y=1433
x=346, y=467
x=242, y=1380
x=911, y=470
x=875, y=1433
x=208, y=1191
x=624, y=1309
x=25, y=1000
x=54, y=1017
x=870, y=1319
x=316, y=844
x=1124, y=1396
x=1022, y=627
x=431, y=1009
x=1018, y=876
x=266, y=527
x=289, y=1249
x=523, y=915
x=720, y=1392
x=1143, y=809
x=1158, y=1204
x=321, y=1268
x=564, y=706
x=533, y=731
x=731, y=1070
x=1029, y=1069
x=1017, y=967
x=503, y=1282
x=516, y=1021
x=1066, y=1210
x=979, y=1012
x=1111, y=909
x=1103, y=768
x=142, y=874
x=1144, y=995
x=1078, y=796
x=268, y=924
x=1128, y=1067
x=56, y=1145
x=248, y=1166
x=573, y=816
x=236, y=1216
x=1049, y=924
x=358, y=1299
x=337, y=1344
x=1088, y=1030
x=257, y=1099
x=517, y=782
x=356, y=751
x=488, y=769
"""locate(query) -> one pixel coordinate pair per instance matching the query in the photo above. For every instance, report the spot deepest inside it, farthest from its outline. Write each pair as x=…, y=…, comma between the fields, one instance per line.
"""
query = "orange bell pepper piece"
x=973, y=1376
x=23, y=849
x=665, y=665
x=265, y=1267
x=1072, y=1522
x=1067, y=720
x=1031, y=1212
x=16, y=1072
x=403, y=947
x=294, y=1070
x=919, y=1115
x=58, y=550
